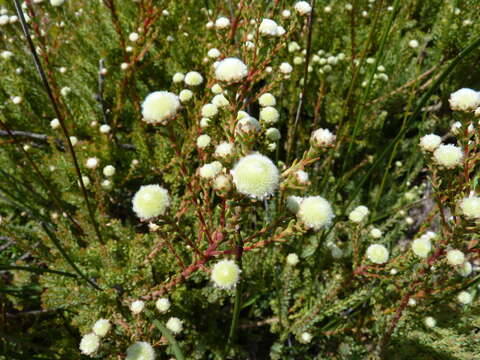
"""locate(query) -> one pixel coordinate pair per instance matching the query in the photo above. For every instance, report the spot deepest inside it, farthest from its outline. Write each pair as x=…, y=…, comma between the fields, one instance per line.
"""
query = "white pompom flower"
x=269, y=114
x=140, y=351
x=303, y=8
x=162, y=305
x=315, y=212
x=222, y=23
x=89, y=344
x=421, y=247
x=465, y=100
x=185, y=95
x=268, y=27
x=448, y=156
x=224, y=149
x=323, y=137
x=267, y=99
x=92, y=163
x=213, y=53
x=471, y=207
x=56, y=2
x=220, y=100
x=285, y=68
x=430, y=322
x=178, y=77
x=464, y=297
x=430, y=142
x=209, y=110
x=160, y=106
x=225, y=274
x=377, y=254
x=137, y=306
x=231, y=70
x=293, y=203
x=193, y=78
x=150, y=201
x=203, y=141
x=358, y=214
x=175, y=325
x=376, y=233
x=256, y=176
x=455, y=257
x=109, y=170
x=101, y=327
x=210, y=170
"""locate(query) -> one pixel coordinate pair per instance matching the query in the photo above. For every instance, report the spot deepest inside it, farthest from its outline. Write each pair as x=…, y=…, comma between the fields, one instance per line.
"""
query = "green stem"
x=171, y=339
x=238, y=295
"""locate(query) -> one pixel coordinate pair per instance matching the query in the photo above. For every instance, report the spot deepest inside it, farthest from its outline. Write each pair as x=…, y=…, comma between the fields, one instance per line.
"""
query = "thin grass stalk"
x=67, y=257
x=171, y=339
x=59, y=115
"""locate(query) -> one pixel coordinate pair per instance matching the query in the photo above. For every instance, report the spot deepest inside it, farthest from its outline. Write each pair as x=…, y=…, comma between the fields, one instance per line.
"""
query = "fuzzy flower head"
x=285, y=68
x=89, y=344
x=430, y=322
x=209, y=110
x=267, y=99
x=269, y=115
x=220, y=100
x=256, y=176
x=185, y=95
x=303, y=8
x=268, y=27
x=224, y=149
x=231, y=70
x=210, y=170
x=193, y=78
x=448, y=156
x=306, y=337
x=160, y=106
x=56, y=2
x=137, y=306
x=292, y=259
x=247, y=125
x=101, y=327
x=225, y=274
x=175, y=325
x=140, y=351
x=162, y=305
x=222, y=183
x=430, y=142
x=471, y=207
x=322, y=138
x=465, y=100
x=358, y=214
x=464, y=297
x=150, y=201
x=377, y=254
x=315, y=212
x=222, y=23
x=421, y=247
x=203, y=141
x=455, y=257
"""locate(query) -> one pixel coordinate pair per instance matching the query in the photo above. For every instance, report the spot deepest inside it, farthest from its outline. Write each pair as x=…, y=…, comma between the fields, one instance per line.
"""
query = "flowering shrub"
x=297, y=180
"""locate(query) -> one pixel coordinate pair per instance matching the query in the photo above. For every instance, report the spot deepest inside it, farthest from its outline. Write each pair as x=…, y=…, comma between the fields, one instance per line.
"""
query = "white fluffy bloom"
x=376, y=233
x=6, y=54
x=358, y=214
x=140, y=351
x=73, y=140
x=217, y=89
x=185, y=95
x=430, y=322
x=150, y=201
x=213, y=53
x=286, y=14
x=221, y=183
x=193, y=78
x=220, y=100
x=464, y=297
x=101, y=327
x=105, y=129
x=178, y=77
x=285, y=68
x=203, y=141
x=175, y=325
x=306, y=337
x=247, y=125
x=471, y=207
x=465, y=269
x=377, y=254
x=465, y=100
x=448, y=156
x=210, y=170
x=4, y=19
x=133, y=37
x=222, y=23
x=268, y=27
x=137, y=306
x=302, y=177
x=430, y=142
x=267, y=99
x=57, y=2
x=292, y=259
x=269, y=114
x=162, y=305
x=89, y=344
x=225, y=274
x=92, y=163
x=303, y=7
x=413, y=43
x=231, y=69
x=256, y=175
x=315, y=212
x=455, y=257
x=209, y=110
x=323, y=137
x=293, y=203
x=273, y=134
x=17, y=100
x=224, y=149
x=159, y=106
x=109, y=170
x=55, y=123
x=421, y=247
